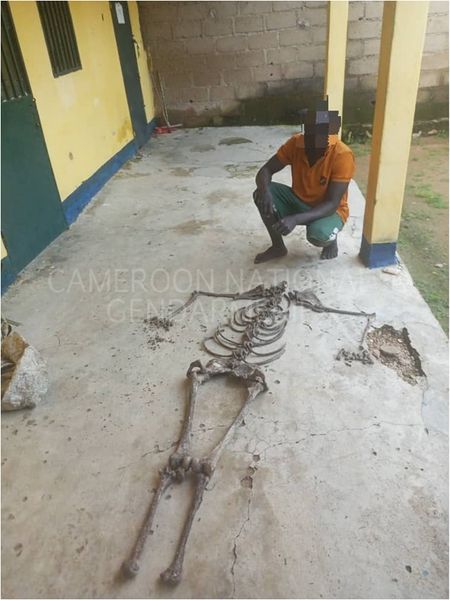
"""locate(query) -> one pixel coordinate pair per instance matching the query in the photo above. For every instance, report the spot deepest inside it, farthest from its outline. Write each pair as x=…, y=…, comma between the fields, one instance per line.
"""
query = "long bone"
x=256, y=292
x=130, y=567
x=259, y=292
x=308, y=299
x=204, y=469
x=181, y=463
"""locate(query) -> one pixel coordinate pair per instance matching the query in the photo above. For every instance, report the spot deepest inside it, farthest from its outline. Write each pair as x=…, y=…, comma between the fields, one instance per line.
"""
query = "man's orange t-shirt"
x=310, y=183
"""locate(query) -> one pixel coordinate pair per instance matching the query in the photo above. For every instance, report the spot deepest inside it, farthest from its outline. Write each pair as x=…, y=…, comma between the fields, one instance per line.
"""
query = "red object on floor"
x=166, y=129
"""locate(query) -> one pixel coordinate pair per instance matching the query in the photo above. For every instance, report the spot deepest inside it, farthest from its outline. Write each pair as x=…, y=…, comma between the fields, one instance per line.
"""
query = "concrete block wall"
x=258, y=62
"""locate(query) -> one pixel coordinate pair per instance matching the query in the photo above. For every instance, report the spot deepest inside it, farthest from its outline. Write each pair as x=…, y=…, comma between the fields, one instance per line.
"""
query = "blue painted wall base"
x=74, y=204
x=8, y=273
x=378, y=255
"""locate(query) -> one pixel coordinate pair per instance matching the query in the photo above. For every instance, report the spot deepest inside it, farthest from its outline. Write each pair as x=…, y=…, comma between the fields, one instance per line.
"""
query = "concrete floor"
x=349, y=496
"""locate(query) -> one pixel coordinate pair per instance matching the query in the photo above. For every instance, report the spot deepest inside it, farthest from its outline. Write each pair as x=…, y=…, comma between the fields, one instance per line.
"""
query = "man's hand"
x=264, y=201
x=287, y=224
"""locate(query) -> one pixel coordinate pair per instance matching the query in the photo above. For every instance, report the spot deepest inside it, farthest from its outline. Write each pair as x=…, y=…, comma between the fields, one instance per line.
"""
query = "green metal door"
x=32, y=214
x=130, y=72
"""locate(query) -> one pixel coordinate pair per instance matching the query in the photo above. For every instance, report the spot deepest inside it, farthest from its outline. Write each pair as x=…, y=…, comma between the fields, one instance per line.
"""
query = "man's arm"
x=264, y=175
x=333, y=196
x=263, y=178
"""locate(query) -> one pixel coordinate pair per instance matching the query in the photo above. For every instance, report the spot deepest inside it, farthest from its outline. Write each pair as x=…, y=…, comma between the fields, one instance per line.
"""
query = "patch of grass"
x=418, y=247
x=431, y=197
x=413, y=235
x=436, y=300
x=413, y=215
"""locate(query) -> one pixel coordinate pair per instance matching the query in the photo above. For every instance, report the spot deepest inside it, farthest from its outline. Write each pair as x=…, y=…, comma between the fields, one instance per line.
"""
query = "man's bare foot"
x=330, y=251
x=270, y=254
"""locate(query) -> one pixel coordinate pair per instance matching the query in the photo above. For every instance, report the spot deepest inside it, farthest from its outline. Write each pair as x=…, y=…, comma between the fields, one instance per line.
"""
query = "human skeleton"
x=237, y=348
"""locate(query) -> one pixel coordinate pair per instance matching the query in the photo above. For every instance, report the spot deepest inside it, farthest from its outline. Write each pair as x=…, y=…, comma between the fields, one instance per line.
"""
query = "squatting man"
x=321, y=167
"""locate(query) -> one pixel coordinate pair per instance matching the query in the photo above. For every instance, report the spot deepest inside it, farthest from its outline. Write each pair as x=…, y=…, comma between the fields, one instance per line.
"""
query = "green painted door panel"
x=130, y=71
x=32, y=214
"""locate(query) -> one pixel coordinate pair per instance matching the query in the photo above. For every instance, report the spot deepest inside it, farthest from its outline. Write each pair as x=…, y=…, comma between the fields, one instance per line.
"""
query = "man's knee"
x=318, y=237
x=317, y=242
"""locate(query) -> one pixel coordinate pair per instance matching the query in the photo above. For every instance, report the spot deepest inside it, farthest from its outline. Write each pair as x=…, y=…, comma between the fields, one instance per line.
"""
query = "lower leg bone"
x=172, y=575
x=131, y=566
x=203, y=469
x=216, y=453
x=181, y=463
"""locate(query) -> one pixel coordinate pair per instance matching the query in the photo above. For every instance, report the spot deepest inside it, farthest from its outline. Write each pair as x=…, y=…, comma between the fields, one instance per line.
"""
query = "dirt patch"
x=181, y=172
x=127, y=175
x=221, y=195
x=152, y=327
x=191, y=227
x=247, y=482
x=393, y=349
x=231, y=141
x=242, y=171
x=423, y=239
x=203, y=148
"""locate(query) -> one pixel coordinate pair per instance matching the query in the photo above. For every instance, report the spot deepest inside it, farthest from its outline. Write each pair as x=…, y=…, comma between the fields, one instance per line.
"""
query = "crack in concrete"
x=424, y=403
x=236, y=537
x=204, y=429
x=268, y=446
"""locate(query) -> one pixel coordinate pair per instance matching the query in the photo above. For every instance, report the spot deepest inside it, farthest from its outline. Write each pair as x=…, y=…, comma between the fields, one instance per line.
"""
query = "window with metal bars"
x=14, y=76
x=60, y=37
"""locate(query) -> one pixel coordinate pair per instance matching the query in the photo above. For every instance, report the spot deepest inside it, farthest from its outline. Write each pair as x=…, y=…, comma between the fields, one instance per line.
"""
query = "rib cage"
x=257, y=325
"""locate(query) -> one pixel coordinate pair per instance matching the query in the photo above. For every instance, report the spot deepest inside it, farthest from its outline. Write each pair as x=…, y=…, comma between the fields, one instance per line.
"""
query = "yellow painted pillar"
x=402, y=39
x=336, y=53
x=4, y=251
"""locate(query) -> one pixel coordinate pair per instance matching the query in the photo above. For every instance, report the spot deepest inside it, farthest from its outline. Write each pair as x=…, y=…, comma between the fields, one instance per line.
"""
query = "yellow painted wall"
x=142, y=61
x=84, y=115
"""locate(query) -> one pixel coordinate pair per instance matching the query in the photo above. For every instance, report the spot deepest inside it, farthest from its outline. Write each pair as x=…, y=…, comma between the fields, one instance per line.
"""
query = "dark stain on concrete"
x=192, y=227
x=242, y=171
x=231, y=141
x=203, y=148
x=181, y=172
x=126, y=175
x=221, y=195
x=247, y=482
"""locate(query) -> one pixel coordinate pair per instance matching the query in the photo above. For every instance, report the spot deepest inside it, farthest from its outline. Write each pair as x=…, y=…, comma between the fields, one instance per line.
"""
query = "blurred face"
x=316, y=137
x=316, y=130
x=318, y=125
